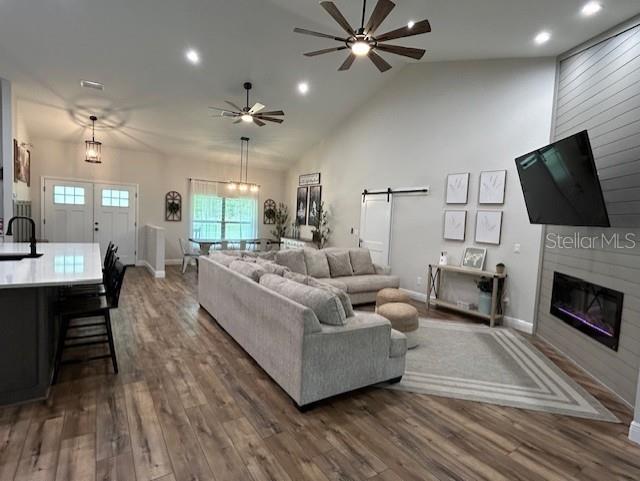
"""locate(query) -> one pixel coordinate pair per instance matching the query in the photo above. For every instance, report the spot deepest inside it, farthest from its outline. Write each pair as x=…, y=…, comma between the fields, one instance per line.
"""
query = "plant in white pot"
x=485, y=286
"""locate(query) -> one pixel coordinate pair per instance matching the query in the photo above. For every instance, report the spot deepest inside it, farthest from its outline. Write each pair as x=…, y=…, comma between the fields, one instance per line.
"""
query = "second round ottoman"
x=389, y=294
x=403, y=318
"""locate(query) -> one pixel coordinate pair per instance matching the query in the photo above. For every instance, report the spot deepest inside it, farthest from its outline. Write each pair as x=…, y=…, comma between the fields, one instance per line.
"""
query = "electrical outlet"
x=418, y=281
x=516, y=248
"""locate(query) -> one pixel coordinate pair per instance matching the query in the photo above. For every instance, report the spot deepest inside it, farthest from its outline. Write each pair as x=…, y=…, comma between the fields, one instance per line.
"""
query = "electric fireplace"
x=589, y=308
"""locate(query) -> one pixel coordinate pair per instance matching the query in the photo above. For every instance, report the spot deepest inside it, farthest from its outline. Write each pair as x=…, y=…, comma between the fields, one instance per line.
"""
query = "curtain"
x=218, y=213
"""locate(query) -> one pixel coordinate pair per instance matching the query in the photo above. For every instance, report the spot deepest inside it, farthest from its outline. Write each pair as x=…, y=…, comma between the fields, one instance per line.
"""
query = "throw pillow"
x=268, y=255
x=316, y=262
x=326, y=306
x=361, y=262
x=293, y=259
x=339, y=263
x=345, y=300
x=249, y=269
x=223, y=259
x=271, y=267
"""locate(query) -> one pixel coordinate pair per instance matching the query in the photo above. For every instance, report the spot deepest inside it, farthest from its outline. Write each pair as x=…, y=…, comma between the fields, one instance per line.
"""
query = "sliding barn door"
x=375, y=227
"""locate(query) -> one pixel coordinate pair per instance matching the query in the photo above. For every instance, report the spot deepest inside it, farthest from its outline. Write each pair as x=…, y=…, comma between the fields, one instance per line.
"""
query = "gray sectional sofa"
x=278, y=323
x=349, y=269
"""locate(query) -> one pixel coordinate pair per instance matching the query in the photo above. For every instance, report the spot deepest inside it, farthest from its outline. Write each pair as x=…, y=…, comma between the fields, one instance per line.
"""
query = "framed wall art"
x=455, y=223
x=488, y=226
x=315, y=197
x=309, y=179
x=21, y=163
x=173, y=207
x=492, y=187
x=457, y=188
x=473, y=258
x=269, y=212
x=301, y=205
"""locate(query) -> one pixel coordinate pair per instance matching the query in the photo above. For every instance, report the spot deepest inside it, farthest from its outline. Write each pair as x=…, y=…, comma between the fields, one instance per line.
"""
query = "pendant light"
x=93, y=148
x=243, y=184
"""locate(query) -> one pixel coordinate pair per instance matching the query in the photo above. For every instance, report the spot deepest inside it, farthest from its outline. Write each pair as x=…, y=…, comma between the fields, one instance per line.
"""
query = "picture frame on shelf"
x=492, y=187
x=488, y=227
x=473, y=258
x=455, y=225
x=301, y=205
x=457, y=191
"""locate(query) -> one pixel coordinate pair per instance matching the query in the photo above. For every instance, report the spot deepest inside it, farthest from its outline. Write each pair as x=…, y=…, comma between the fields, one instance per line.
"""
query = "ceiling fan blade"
x=332, y=10
x=379, y=62
x=239, y=109
x=271, y=119
x=258, y=122
x=416, y=53
x=346, y=65
x=417, y=29
x=257, y=107
x=271, y=112
x=226, y=113
x=318, y=34
x=220, y=109
x=380, y=12
x=237, y=121
x=324, y=50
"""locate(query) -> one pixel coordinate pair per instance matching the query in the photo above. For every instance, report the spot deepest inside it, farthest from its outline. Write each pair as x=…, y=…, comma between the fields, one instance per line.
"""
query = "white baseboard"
x=173, y=262
x=155, y=273
x=518, y=324
x=634, y=432
x=415, y=295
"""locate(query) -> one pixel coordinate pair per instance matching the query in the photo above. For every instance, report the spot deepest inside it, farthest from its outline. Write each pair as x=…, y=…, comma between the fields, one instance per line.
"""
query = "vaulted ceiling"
x=155, y=100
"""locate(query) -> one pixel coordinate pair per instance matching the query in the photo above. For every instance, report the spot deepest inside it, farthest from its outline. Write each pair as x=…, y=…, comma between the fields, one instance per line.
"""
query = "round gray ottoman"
x=389, y=294
x=403, y=318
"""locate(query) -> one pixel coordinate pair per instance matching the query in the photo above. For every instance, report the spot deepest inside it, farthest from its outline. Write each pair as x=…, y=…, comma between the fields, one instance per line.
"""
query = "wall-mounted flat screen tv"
x=561, y=186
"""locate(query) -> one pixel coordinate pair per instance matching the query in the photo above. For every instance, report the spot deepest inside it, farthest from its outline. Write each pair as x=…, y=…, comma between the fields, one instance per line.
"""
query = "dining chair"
x=71, y=309
x=188, y=254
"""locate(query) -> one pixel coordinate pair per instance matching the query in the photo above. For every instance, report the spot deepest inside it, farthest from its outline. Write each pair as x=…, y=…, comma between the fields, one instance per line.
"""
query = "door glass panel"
x=115, y=198
x=65, y=194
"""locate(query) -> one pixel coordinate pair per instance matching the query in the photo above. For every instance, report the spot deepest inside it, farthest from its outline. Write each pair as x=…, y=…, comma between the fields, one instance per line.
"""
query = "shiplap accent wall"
x=599, y=90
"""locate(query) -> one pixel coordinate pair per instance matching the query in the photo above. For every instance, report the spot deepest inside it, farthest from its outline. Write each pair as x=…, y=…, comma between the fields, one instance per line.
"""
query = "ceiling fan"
x=362, y=41
x=250, y=114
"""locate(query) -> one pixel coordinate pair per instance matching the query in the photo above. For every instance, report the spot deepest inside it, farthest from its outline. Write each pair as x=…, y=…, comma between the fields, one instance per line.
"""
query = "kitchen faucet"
x=32, y=240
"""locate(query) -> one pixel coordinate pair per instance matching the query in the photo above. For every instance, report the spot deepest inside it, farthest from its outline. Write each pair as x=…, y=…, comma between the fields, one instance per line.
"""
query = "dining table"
x=205, y=244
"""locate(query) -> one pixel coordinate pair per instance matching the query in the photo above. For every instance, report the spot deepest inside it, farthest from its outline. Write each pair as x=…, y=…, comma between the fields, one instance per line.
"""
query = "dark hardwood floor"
x=189, y=404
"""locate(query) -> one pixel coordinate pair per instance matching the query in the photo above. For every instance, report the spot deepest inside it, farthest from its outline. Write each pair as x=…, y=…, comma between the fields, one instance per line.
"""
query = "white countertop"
x=61, y=264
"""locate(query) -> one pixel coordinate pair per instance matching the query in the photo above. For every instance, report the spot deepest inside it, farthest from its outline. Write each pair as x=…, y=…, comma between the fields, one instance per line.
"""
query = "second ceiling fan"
x=362, y=41
x=250, y=114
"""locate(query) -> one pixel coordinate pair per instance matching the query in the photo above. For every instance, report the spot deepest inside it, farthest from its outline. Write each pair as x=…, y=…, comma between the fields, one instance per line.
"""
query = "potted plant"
x=321, y=230
x=281, y=216
x=485, y=286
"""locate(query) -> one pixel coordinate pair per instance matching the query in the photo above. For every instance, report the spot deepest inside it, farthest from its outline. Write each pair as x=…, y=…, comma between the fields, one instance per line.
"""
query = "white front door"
x=68, y=211
x=375, y=227
x=115, y=219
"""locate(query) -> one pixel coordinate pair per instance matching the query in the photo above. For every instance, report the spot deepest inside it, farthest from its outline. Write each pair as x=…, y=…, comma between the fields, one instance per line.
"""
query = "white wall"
x=434, y=119
x=155, y=174
x=6, y=149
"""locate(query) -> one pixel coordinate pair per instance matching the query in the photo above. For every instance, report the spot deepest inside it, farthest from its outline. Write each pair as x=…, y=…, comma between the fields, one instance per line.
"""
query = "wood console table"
x=433, y=285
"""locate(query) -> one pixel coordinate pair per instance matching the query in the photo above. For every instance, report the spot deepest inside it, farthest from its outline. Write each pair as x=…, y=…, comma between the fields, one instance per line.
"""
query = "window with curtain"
x=220, y=214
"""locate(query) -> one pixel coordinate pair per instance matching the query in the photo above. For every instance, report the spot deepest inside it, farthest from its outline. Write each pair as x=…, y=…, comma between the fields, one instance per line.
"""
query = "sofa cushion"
x=293, y=259
x=326, y=305
x=339, y=263
x=334, y=282
x=316, y=262
x=340, y=291
x=268, y=255
x=361, y=262
x=271, y=267
x=223, y=259
x=368, y=283
x=249, y=269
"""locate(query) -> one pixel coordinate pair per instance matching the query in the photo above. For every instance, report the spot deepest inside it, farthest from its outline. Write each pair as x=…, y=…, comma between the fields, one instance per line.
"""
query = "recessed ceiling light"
x=591, y=8
x=192, y=56
x=303, y=87
x=542, y=37
x=89, y=84
x=411, y=24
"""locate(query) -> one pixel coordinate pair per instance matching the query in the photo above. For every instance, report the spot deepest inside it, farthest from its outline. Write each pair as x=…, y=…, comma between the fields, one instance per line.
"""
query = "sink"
x=17, y=256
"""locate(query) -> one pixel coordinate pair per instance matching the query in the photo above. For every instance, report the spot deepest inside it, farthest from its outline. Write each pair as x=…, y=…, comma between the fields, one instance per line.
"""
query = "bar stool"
x=84, y=307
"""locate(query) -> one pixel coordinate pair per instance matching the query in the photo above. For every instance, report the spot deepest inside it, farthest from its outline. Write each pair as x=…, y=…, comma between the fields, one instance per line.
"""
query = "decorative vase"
x=500, y=268
x=484, y=302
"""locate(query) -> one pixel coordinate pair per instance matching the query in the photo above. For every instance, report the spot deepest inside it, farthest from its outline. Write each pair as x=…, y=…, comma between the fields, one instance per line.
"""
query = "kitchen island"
x=29, y=289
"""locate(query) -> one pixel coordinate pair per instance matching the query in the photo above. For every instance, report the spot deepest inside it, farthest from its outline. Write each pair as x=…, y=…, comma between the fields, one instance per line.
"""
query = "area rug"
x=493, y=365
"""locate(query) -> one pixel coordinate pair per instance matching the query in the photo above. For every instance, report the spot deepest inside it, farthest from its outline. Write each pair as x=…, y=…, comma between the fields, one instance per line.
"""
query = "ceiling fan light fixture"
x=247, y=118
x=360, y=48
